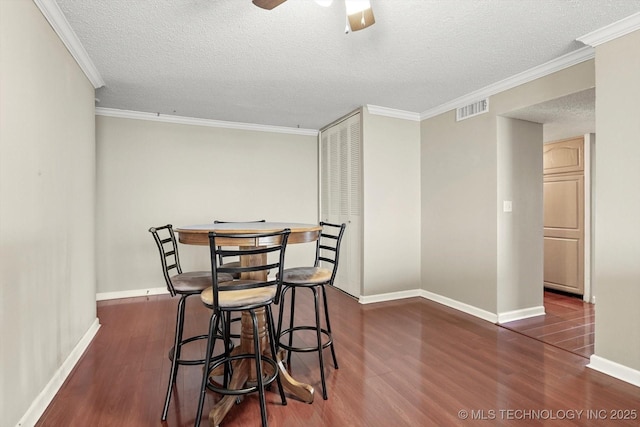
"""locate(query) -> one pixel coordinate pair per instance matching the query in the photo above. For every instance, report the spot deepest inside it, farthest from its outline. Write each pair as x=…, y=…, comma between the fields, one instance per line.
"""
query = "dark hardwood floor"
x=402, y=363
x=569, y=323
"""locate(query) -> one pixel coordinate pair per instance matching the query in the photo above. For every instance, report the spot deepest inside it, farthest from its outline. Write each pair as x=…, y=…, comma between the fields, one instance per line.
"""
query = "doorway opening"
x=570, y=320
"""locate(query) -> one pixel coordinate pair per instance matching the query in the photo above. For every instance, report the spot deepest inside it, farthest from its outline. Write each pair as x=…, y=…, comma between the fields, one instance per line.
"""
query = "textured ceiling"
x=294, y=66
x=564, y=117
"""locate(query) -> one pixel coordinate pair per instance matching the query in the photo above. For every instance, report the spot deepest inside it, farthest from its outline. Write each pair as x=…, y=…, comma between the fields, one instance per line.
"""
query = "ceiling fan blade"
x=361, y=20
x=268, y=4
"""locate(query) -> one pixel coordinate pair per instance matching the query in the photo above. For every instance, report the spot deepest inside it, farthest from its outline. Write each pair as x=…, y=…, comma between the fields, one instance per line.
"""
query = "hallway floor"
x=569, y=323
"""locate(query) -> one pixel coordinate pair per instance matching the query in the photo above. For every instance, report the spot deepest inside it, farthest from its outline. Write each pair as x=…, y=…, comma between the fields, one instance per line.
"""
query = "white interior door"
x=564, y=205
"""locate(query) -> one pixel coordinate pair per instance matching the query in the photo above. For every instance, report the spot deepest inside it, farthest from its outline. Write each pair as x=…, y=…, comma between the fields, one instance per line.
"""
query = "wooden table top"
x=199, y=234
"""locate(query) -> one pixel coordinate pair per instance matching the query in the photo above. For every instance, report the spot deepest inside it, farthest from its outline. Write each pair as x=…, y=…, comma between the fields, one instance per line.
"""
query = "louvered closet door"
x=341, y=195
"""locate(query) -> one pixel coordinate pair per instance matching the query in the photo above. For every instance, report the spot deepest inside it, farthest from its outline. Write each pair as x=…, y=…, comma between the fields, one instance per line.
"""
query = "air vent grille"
x=471, y=110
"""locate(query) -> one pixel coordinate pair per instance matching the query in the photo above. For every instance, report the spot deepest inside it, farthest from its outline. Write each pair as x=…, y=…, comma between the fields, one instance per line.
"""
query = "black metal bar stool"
x=252, y=294
x=185, y=285
x=313, y=278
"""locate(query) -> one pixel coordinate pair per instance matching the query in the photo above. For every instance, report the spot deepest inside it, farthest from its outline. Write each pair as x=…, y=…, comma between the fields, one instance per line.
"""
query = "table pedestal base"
x=244, y=370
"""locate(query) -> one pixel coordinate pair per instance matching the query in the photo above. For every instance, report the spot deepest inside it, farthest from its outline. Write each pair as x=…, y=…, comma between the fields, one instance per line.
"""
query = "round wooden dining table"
x=243, y=372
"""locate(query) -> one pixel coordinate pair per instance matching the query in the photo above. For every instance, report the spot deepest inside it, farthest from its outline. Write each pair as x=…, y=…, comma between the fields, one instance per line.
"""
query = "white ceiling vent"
x=471, y=110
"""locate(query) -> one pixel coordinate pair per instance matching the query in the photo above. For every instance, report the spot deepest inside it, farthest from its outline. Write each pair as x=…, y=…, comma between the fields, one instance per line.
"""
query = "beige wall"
x=153, y=173
x=459, y=189
x=617, y=201
x=47, y=208
x=391, y=199
x=458, y=214
x=520, y=232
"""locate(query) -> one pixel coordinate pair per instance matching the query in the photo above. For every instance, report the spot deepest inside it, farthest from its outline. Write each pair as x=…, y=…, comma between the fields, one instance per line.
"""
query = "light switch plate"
x=507, y=206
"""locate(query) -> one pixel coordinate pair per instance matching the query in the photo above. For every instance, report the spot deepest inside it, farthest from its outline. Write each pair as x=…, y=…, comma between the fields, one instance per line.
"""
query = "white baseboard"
x=525, y=313
x=39, y=405
x=460, y=306
x=391, y=296
x=102, y=296
x=615, y=370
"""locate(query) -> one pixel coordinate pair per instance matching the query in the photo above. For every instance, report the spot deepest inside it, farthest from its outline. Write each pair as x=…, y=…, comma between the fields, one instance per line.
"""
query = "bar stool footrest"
x=191, y=362
x=286, y=332
x=267, y=379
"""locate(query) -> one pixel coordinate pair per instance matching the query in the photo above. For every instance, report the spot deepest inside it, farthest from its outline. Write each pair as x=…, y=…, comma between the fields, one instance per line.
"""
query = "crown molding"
x=157, y=117
x=613, y=31
x=390, y=112
x=558, y=64
x=60, y=25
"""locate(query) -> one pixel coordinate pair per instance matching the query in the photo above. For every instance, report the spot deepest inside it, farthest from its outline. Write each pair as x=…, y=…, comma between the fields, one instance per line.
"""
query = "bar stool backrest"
x=168, y=248
x=215, y=221
x=328, y=246
x=271, y=243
